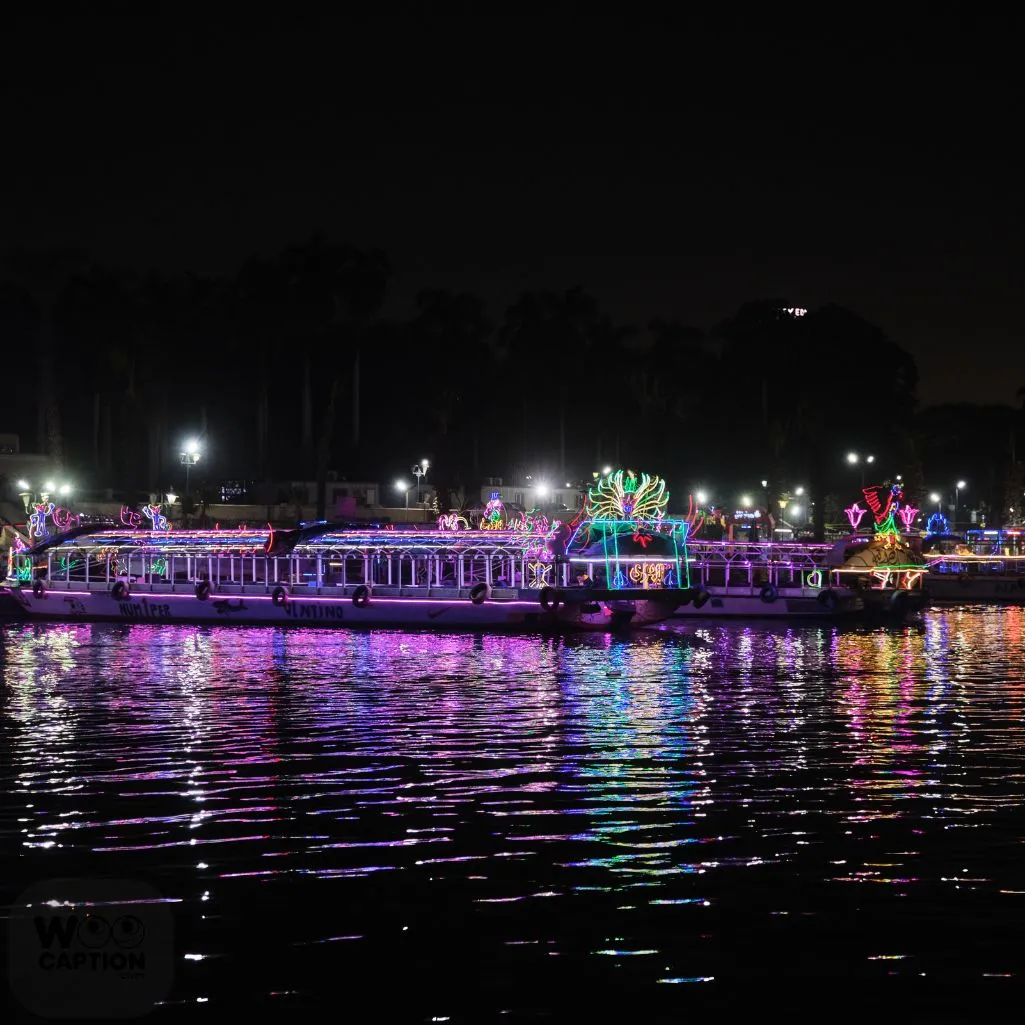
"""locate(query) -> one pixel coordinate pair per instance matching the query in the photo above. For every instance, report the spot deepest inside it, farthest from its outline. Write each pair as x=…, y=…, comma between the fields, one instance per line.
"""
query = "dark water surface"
x=447, y=826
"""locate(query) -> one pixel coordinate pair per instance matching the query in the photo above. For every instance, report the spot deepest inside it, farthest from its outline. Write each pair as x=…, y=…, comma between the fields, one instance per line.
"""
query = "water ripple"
x=533, y=812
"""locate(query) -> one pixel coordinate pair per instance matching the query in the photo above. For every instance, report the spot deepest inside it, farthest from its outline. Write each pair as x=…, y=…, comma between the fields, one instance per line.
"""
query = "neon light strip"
x=974, y=558
x=137, y=595
x=873, y=569
x=624, y=558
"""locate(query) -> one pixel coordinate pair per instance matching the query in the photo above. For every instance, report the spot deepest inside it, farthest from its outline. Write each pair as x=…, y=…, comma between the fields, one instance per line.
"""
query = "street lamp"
x=606, y=470
x=745, y=501
x=937, y=499
x=855, y=460
x=403, y=486
x=958, y=486
x=702, y=497
x=171, y=499
x=419, y=470
x=25, y=494
x=784, y=501
x=189, y=456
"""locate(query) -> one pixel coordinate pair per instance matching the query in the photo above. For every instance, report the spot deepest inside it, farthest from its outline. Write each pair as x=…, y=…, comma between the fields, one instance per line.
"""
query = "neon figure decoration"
x=64, y=518
x=696, y=516
x=130, y=518
x=855, y=514
x=152, y=513
x=622, y=496
x=452, y=521
x=540, y=573
x=623, y=524
x=893, y=499
x=494, y=514
x=37, y=521
x=907, y=515
x=937, y=524
x=18, y=546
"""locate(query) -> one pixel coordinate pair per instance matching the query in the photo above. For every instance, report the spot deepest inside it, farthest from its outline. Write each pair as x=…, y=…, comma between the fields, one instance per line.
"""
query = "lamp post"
x=958, y=486
x=28, y=494
x=855, y=460
x=189, y=456
x=403, y=486
x=784, y=501
x=25, y=494
x=419, y=470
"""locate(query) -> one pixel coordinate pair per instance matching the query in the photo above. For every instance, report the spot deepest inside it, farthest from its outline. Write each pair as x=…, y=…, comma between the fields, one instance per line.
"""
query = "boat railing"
x=722, y=552
x=964, y=563
x=748, y=567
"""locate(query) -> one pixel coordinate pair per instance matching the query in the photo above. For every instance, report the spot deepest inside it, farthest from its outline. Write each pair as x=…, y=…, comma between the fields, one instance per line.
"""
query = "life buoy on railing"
x=701, y=599
x=550, y=600
x=203, y=590
x=769, y=594
x=361, y=596
x=38, y=589
x=828, y=600
x=479, y=592
x=278, y=597
x=119, y=591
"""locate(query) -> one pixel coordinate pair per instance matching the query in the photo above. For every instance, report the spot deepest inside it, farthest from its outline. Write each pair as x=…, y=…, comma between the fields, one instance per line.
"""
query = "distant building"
x=529, y=495
x=360, y=493
x=16, y=466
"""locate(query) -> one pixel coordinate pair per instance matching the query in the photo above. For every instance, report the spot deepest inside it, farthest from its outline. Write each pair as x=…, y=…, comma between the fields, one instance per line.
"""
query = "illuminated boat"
x=751, y=579
x=625, y=539
x=885, y=568
x=983, y=566
x=867, y=575
x=508, y=573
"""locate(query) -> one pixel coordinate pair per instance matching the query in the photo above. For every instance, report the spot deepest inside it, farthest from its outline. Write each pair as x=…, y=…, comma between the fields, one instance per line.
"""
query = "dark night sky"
x=672, y=168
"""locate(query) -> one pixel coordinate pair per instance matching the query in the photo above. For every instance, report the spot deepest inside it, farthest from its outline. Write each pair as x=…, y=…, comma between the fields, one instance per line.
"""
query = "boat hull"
x=957, y=588
x=723, y=604
x=325, y=612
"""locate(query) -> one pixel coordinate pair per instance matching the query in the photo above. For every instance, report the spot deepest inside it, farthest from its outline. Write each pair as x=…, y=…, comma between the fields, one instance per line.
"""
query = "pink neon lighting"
x=130, y=518
x=162, y=595
x=64, y=518
x=855, y=514
x=907, y=516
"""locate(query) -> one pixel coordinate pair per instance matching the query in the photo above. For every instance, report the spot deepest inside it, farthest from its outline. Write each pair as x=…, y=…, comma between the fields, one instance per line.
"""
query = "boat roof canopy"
x=301, y=541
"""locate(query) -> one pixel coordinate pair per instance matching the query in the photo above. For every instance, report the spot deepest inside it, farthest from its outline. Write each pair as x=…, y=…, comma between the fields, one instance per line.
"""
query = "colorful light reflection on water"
x=533, y=813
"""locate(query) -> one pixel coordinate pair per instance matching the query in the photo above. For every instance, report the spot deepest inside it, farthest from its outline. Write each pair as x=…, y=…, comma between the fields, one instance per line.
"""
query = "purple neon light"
x=328, y=601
